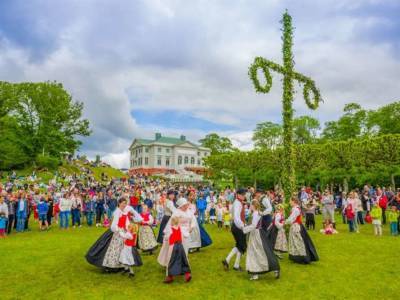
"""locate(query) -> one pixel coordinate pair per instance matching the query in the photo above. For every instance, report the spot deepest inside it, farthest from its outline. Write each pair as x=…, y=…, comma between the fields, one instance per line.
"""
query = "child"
x=328, y=228
x=178, y=262
x=129, y=256
x=42, y=208
x=310, y=214
x=220, y=213
x=3, y=217
x=106, y=222
x=147, y=240
x=393, y=216
x=276, y=232
x=212, y=214
x=349, y=212
x=227, y=219
x=376, y=214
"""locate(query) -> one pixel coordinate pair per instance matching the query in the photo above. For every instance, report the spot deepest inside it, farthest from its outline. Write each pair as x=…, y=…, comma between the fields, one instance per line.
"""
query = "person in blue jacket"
x=201, y=204
x=22, y=212
x=42, y=209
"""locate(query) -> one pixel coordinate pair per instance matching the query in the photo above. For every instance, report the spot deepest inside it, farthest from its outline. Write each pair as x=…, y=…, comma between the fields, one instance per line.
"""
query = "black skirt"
x=96, y=253
x=204, y=236
x=266, y=221
x=272, y=234
x=311, y=252
x=178, y=263
x=240, y=238
x=164, y=222
x=136, y=257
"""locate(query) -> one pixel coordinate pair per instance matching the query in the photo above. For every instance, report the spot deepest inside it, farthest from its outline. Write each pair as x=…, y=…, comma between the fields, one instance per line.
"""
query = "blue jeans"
x=393, y=228
x=351, y=225
x=89, y=217
x=201, y=217
x=76, y=216
x=64, y=219
x=110, y=213
x=20, y=221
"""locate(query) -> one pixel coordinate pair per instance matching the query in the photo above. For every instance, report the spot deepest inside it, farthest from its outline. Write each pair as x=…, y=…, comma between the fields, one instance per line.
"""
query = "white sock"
x=237, y=261
x=231, y=254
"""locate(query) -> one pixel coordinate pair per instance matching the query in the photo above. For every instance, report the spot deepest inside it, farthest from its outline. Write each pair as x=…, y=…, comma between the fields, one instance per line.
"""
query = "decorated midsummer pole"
x=289, y=76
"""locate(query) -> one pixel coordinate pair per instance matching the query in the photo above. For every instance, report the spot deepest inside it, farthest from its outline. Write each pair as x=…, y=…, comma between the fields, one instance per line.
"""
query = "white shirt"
x=169, y=208
x=255, y=219
x=293, y=215
x=236, y=212
x=266, y=202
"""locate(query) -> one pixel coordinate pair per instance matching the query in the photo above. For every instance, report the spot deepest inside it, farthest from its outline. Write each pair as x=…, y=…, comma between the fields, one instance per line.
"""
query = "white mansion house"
x=166, y=155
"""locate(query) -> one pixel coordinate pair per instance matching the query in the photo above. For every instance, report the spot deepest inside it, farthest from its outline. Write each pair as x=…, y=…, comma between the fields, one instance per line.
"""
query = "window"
x=198, y=153
x=198, y=162
x=186, y=160
x=167, y=150
x=136, y=152
x=146, y=149
x=192, y=161
x=159, y=149
x=179, y=160
x=159, y=160
x=140, y=161
x=167, y=161
x=146, y=161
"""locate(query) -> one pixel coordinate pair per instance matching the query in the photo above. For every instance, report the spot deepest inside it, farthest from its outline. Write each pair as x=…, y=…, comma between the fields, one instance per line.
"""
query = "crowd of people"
x=130, y=209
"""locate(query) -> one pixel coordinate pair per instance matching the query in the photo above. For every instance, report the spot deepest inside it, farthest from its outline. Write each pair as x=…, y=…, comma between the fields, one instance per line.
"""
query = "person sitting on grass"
x=42, y=209
x=328, y=228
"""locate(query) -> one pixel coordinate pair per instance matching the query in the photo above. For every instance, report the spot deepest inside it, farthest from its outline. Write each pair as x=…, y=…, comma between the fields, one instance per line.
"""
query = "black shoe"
x=277, y=274
x=131, y=274
x=239, y=269
x=225, y=264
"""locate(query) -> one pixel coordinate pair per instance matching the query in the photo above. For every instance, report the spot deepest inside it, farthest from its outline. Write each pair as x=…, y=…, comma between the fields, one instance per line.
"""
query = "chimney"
x=183, y=138
x=158, y=136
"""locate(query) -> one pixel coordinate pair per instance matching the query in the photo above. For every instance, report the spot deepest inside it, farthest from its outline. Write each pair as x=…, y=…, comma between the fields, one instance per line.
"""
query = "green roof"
x=165, y=140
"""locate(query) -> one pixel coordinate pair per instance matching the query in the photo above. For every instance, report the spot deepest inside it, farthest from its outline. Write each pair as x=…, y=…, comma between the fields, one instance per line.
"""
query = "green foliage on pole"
x=311, y=96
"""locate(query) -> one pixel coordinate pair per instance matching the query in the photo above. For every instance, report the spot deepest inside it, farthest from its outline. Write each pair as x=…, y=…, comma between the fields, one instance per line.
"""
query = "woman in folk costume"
x=276, y=232
x=129, y=256
x=178, y=263
x=106, y=251
x=187, y=223
x=260, y=254
x=301, y=248
x=147, y=240
x=194, y=239
x=169, y=209
x=238, y=216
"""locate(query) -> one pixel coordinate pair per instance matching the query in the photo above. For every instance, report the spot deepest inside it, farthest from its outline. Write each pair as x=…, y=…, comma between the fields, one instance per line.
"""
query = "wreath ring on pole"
x=260, y=64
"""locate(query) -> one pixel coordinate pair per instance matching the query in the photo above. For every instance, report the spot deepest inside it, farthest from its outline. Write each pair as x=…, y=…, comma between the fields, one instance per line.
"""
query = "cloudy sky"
x=180, y=67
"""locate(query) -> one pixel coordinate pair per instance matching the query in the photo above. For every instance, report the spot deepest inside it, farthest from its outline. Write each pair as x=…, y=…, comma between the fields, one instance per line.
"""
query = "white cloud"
x=193, y=58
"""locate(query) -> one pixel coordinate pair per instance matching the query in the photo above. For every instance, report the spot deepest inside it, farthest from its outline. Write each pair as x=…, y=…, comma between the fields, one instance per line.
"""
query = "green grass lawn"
x=51, y=265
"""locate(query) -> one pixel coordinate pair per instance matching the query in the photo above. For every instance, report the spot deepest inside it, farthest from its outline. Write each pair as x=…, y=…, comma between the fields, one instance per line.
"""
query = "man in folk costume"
x=169, y=209
x=238, y=215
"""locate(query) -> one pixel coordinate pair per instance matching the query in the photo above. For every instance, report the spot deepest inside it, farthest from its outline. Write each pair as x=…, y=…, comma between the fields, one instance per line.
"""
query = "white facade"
x=166, y=153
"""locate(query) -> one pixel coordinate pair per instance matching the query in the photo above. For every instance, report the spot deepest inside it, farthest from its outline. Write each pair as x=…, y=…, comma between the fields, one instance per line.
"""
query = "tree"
x=385, y=120
x=353, y=124
x=217, y=144
x=43, y=119
x=267, y=135
x=305, y=129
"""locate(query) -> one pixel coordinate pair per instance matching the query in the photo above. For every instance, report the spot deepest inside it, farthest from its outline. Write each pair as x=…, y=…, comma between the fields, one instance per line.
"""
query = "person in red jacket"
x=382, y=202
x=349, y=212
